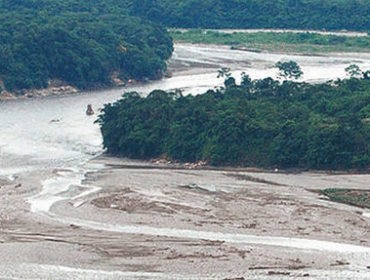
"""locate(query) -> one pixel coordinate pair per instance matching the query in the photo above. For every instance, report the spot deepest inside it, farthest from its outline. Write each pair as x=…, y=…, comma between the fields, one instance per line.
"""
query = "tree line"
x=290, y=14
x=79, y=42
x=265, y=122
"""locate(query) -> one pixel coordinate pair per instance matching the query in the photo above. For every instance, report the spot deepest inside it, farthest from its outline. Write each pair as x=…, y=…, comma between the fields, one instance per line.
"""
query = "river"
x=55, y=133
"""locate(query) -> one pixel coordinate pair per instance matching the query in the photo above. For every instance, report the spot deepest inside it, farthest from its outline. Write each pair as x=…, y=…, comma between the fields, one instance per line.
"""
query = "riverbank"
x=278, y=41
x=131, y=218
x=224, y=223
x=204, y=60
x=60, y=88
x=159, y=218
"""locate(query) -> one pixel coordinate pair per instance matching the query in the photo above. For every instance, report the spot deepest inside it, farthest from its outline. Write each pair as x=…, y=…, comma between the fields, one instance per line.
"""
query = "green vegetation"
x=84, y=43
x=284, y=14
x=358, y=198
x=305, y=42
x=79, y=42
x=264, y=123
x=289, y=70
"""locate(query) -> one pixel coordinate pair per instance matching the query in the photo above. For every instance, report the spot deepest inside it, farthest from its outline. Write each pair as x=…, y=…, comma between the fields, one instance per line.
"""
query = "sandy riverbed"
x=158, y=221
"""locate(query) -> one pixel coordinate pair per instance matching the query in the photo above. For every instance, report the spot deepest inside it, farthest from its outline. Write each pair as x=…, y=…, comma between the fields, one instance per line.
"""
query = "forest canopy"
x=84, y=43
x=266, y=123
x=79, y=42
x=290, y=14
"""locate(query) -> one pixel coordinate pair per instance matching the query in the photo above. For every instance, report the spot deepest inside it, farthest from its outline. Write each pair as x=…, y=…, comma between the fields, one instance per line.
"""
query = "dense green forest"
x=79, y=42
x=264, y=122
x=84, y=42
x=290, y=14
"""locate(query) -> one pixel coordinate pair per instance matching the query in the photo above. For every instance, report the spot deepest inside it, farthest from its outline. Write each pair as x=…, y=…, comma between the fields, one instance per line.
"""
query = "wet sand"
x=164, y=221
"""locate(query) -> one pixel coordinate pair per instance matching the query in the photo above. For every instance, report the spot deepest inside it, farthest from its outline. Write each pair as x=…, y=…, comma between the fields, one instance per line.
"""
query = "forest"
x=265, y=123
x=85, y=43
x=289, y=14
x=82, y=43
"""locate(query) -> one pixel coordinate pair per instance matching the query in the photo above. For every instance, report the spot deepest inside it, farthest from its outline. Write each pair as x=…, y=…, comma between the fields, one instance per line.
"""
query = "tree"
x=366, y=75
x=229, y=82
x=246, y=81
x=289, y=70
x=353, y=71
x=224, y=72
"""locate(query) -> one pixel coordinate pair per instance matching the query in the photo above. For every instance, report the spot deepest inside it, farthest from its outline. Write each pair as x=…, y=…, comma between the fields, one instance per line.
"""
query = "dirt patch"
x=133, y=202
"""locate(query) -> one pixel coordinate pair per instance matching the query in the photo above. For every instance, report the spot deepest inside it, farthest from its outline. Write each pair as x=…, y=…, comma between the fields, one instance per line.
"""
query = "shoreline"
x=242, y=48
x=257, y=207
x=64, y=90
x=183, y=221
x=174, y=70
x=324, y=32
x=161, y=163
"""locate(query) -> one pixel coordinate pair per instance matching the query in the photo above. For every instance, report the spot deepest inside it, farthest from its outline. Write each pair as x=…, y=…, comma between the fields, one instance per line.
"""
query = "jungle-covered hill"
x=84, y=42
x=290, y=14
x=266, y=123
x=79, y=42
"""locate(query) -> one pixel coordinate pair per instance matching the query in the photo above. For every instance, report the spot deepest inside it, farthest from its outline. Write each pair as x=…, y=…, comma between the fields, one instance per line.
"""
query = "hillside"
x=290, y=14
x=88, y=43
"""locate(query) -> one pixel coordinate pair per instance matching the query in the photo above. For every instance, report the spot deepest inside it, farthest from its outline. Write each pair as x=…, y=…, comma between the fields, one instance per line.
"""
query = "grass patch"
x=303, y=42
x=358, y=198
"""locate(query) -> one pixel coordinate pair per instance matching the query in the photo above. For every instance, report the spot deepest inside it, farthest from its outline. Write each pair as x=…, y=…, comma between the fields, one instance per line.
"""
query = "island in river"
x=258, y=123
x=125, y=219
